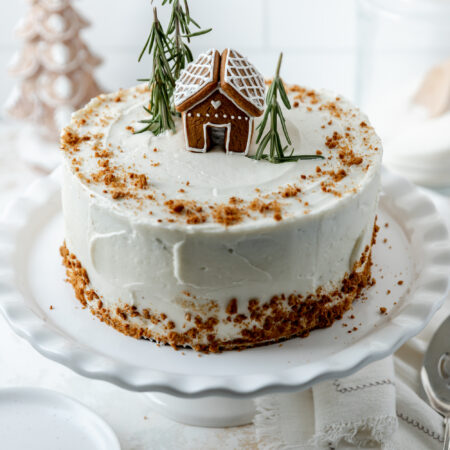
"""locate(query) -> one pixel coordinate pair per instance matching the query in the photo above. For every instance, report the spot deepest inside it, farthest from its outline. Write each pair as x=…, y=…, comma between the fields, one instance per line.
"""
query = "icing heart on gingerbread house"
x=219, y=96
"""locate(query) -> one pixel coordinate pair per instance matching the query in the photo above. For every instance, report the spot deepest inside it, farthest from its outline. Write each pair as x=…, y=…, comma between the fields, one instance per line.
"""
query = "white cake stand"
x=411, y=259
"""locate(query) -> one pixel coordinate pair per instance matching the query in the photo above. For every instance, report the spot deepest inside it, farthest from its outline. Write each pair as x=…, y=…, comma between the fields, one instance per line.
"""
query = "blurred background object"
x=403, y=83
x=53, y=68
x=54, y=73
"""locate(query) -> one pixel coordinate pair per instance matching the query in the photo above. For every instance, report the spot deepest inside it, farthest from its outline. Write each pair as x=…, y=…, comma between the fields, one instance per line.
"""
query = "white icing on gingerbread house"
x=219, y=96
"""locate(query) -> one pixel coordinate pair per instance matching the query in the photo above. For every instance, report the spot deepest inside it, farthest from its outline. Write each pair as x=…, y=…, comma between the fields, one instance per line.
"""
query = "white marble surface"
x=128, y=413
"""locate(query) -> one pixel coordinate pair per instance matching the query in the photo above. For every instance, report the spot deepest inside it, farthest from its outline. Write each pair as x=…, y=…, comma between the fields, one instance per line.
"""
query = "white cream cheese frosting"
x=163, y=229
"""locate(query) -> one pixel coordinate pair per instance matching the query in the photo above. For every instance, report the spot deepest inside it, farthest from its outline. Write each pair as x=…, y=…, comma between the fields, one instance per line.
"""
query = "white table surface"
x=128, y=413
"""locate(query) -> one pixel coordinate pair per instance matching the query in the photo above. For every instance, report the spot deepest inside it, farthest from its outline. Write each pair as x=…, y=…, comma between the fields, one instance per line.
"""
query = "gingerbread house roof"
x=237, y=77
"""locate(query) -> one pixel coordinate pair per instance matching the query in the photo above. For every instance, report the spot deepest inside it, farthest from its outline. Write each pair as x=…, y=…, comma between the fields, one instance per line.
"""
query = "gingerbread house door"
x=218, y=135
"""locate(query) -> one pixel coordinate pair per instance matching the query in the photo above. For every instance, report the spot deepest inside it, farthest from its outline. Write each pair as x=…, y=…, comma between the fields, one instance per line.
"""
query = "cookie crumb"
x=383, y=310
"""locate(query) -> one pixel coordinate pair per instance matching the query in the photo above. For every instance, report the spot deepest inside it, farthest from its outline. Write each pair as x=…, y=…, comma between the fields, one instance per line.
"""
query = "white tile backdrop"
x=317, y=37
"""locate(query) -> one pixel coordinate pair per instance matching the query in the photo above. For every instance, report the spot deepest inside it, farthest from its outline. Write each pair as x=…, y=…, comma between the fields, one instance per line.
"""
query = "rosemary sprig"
x=161, y=83
x=171, y=54
x=178, y=31
x=273, y=115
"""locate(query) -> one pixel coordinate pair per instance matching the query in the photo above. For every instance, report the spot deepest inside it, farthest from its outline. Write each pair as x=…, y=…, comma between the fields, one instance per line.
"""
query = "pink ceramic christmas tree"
x=54, y=68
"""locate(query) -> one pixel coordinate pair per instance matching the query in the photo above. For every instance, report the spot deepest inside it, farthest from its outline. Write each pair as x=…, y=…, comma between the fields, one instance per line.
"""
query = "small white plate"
x=39, y=419
x=411, y=260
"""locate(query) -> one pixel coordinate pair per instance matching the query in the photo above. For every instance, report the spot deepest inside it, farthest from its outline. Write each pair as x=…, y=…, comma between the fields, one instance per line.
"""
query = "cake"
x=217, y=251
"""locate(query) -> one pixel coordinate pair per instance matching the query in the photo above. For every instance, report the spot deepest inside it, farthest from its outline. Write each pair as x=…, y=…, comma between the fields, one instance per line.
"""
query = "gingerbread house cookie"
x=219, y=96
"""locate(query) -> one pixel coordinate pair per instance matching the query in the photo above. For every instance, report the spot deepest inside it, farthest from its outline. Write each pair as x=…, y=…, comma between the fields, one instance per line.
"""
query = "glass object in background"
x=403, y=83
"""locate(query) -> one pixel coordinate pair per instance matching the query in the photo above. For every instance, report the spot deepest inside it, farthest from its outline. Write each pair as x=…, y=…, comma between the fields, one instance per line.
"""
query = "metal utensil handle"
x=447, y=432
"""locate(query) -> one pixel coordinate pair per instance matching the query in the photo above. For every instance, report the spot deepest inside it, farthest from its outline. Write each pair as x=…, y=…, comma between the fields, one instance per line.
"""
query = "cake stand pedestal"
x=216, y=389
x=213, y=411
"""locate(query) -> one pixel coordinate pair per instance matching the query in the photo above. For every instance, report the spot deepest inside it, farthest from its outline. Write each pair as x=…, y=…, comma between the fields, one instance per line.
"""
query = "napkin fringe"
x=381, y=430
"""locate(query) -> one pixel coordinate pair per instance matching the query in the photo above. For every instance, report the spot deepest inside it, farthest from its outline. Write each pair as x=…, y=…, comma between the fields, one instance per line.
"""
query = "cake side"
x=282, y=317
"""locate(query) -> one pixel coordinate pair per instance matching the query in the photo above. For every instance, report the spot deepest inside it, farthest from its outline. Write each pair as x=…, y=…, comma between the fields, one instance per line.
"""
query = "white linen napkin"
x=370, y=409
x=359, y=409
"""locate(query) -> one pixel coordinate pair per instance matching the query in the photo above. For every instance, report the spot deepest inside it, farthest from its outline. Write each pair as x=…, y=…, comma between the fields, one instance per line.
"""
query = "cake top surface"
x=155, y=179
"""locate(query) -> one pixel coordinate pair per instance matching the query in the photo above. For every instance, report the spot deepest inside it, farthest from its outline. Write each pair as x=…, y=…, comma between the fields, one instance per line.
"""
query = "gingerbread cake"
x=218, y=251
